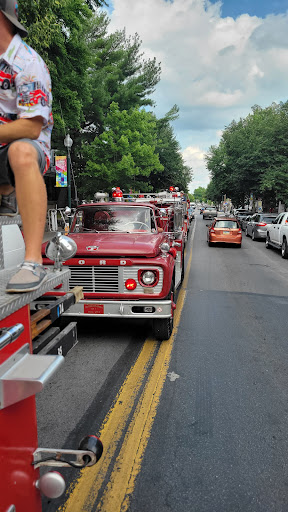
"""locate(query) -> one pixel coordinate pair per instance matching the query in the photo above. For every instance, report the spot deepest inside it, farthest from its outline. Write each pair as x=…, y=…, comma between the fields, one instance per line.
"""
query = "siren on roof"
x=117, y=194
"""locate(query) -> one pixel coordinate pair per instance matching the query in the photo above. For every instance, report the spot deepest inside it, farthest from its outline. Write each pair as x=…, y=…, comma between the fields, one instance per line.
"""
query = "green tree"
x=118, y=73
x=123, y=155
x=175, y=173
x=57, y=31
x=200, y=194
x=252, y=157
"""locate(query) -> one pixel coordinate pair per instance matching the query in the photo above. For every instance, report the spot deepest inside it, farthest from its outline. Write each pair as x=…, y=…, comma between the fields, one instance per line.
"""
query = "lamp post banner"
x=61, y=171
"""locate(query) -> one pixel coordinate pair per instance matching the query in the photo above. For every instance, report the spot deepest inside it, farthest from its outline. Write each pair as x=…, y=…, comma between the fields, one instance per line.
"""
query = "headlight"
x=148, y=277
x=165, y=247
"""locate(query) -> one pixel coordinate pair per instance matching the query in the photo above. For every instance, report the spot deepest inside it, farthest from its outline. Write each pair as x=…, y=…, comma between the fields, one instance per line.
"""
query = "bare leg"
x=31, y=196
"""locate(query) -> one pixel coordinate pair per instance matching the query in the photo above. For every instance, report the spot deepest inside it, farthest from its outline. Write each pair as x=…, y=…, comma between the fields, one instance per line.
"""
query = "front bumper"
x=121, y=309
x=226, y=239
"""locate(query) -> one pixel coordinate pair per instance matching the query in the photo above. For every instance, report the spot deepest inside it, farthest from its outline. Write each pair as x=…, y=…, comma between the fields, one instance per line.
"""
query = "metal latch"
x=89, y=452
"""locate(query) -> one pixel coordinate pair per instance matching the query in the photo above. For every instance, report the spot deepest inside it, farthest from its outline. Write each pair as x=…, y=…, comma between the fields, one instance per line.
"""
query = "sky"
x=218, y=59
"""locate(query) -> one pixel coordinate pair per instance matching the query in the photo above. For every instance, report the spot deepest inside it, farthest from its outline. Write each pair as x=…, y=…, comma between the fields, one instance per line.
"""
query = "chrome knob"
x=52, y=484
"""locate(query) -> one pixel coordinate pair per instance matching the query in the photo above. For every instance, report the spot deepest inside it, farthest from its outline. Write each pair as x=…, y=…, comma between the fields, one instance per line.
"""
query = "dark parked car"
x=257, y=225
x=245, y=221
x=240, y=217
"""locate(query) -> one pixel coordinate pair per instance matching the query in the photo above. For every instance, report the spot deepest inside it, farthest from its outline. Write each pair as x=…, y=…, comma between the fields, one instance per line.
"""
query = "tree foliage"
x=100, y=83
x=123, y=155
x=252, y=157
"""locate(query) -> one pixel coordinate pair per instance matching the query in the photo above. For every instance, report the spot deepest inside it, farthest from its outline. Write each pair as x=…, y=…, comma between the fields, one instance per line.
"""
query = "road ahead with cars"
x=198, y=423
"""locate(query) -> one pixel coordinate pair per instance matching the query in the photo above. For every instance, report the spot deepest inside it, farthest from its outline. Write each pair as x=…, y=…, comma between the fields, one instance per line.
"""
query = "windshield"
x=227, y=224
x=114, y=218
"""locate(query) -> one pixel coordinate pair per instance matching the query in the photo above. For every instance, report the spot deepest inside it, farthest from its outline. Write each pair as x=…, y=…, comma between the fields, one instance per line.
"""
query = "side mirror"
x=60, y=248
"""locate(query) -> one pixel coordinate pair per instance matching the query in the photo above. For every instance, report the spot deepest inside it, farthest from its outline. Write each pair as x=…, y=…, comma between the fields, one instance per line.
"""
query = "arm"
x=21, y=129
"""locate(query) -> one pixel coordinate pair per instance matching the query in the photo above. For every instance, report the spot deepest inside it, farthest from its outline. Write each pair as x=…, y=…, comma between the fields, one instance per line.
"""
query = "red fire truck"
x=30, y=353
x=7, y=77
x=33, y=93
x=127, y=262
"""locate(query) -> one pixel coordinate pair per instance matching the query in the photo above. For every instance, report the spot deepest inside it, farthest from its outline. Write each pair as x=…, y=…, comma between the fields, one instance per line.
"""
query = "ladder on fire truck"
x=30, y=353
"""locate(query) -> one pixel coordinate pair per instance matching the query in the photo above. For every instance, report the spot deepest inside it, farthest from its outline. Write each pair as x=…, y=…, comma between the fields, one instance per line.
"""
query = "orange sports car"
x=226, y=230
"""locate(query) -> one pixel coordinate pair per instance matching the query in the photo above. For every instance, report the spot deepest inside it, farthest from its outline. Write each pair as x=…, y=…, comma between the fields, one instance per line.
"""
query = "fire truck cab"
x=128, y=264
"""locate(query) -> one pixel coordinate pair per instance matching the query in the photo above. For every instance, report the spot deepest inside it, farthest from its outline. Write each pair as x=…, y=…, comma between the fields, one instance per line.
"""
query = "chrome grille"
x=95, y=279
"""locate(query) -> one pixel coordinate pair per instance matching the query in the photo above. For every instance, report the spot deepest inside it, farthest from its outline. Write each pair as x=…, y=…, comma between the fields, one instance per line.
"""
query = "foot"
x=30, y=276
x=9, y=205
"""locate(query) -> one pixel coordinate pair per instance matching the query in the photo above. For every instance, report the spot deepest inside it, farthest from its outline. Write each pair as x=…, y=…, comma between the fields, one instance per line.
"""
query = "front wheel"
x=253, y=236
x=182, y=269
x=246, y=232
x=267, y=242
x=284, y=250
x=163, y=327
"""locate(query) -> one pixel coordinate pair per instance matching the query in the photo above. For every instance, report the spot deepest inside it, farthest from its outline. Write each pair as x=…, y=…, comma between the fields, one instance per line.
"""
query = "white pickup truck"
x=277, y=234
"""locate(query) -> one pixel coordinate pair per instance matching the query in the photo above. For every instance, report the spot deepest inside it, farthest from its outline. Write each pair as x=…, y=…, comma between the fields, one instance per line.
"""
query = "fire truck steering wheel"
x=137, y=222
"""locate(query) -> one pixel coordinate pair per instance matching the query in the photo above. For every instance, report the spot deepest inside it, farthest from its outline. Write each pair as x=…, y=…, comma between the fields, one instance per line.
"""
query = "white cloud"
x=214, y=68
x=194, y=158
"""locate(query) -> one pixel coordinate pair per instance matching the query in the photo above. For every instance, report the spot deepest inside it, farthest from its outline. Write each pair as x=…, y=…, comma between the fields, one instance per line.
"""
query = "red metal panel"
x=18, y=436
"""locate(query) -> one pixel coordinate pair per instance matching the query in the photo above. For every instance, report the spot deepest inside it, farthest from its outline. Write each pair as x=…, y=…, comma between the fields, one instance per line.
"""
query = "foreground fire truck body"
x=31, y=351
x=127, y=262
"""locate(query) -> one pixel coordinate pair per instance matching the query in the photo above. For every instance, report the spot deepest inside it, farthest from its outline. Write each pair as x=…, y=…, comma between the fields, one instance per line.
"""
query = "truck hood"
x=117, y=244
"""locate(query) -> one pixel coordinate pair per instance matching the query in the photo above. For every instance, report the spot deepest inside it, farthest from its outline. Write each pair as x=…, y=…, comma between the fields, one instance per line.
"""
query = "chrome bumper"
x=120, y=309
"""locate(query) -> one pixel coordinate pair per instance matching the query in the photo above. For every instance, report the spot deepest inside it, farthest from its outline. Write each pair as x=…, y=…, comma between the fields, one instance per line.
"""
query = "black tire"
x=6, y=85
x=253, y=236
x=239, y=246
x=246, y=232
x=210, y=244
x=163, y=327
x=284, y=249
x=267, y=242
x=183, y=268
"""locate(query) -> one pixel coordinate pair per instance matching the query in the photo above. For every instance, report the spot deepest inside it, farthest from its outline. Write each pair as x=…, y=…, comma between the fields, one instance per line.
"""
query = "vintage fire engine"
x=7, y=77
x=30, y=353
x=127, y=262
x=33, y=93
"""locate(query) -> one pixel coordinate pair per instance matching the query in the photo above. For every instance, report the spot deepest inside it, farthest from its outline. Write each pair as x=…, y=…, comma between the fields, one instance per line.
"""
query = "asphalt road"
x=219, y=438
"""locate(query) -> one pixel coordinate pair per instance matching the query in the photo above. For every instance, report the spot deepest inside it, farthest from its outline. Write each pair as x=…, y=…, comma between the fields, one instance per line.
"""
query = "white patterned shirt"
x=25, y=89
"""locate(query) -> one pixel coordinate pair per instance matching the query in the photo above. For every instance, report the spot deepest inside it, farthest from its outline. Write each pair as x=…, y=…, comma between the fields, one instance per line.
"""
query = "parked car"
x=277, y=234
x=240, y=217
x=191, y=213
x=245, y=221
x=226, y=230
x=257, y=225
x=210, y=212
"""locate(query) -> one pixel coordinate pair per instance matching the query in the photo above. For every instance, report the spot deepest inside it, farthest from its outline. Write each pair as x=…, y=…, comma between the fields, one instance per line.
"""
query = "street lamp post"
x=68, y=144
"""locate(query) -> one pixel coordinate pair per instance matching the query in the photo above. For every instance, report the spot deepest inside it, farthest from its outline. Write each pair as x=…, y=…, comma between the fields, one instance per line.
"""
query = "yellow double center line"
x=115, y=496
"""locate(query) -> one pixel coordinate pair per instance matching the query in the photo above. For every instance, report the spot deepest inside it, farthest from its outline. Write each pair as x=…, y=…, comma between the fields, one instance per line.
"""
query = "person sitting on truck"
x=25, y=135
